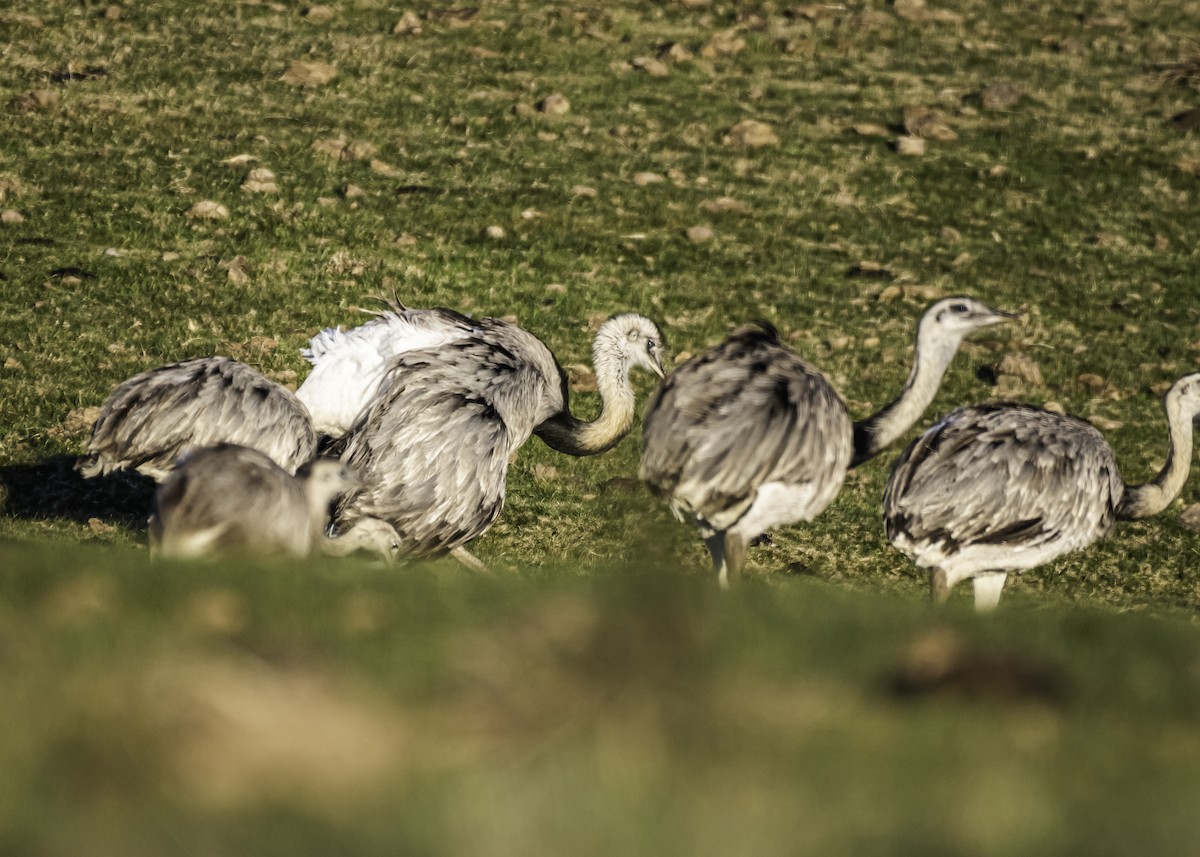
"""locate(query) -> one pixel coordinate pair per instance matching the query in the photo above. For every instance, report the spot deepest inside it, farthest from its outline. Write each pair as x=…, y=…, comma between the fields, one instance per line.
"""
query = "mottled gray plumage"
x=1005, y=487
x=748, y=436
x=154, y=418
x=231, y=498
x=433, y=450
x=745, y=416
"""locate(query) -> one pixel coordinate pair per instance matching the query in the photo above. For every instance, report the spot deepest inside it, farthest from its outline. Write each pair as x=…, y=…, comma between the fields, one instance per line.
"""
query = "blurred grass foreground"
x=351, y=709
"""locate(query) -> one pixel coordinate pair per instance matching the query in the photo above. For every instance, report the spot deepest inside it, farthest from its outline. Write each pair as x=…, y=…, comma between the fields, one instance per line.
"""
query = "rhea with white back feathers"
x=747, y=436
x=434, y=447
x=231, y=498
x=1004, y=487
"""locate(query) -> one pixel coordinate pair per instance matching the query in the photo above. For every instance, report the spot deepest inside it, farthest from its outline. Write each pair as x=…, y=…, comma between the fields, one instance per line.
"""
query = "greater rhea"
x=152, y=419
x=434, y=447
x=232, y=498
x=748, y=436
x=348, y=366
x=1004, y=487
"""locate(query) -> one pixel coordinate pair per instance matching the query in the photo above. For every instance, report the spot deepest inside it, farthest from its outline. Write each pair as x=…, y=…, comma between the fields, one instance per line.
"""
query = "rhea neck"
x=934, y=351
x=1142, y=501
x=566, y=433
x=318, y=497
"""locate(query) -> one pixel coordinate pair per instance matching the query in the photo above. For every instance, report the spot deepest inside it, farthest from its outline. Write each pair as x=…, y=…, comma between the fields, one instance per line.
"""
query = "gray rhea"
x=1004, y=487
x=227, y=498
x=748, y=436
x=152, y=419
x=434, y=447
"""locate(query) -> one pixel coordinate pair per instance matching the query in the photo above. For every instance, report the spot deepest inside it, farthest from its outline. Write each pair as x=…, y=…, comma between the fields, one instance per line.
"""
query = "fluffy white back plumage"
x=348, y=365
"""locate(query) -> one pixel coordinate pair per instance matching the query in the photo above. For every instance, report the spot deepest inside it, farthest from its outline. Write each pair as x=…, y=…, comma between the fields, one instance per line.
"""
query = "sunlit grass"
x=598, y=697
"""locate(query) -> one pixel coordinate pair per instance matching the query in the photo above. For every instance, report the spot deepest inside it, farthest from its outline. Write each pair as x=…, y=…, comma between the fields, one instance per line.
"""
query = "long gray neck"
x=887, y=425
x=1142, y=501
x=566, y=433
x=318, y=507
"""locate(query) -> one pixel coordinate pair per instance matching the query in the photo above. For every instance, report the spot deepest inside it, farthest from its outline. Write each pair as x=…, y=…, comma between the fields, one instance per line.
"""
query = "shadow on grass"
x=52, y=489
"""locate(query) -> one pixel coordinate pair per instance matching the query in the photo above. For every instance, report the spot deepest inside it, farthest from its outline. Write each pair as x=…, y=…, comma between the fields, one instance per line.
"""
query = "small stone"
x=581, y=378
x=724, y=42
x=554, y=105
x=584, y=191
x=840, y=343
x=383, y=168
x=98, y=526
x=309, y=73
x=207, y=209
x=408, y=25
x=869, y=129
x=1094, y=384
x=871, y=342
x=494, y=232
x=319, y=14
x=556, y=288
x=236, y=270
x=260, y=180
x=909, y=9
x=922, y=293
x=699, y=233
x=910, y=146
x=359, y=150
x=112, y=13
x=1054, y=407
x=930, y=124
x=889, y=294
x=750, y=134
x=647, y=178
x=80, y=420
x=523, y=110
x=11, y=216
x=238, y=161
x=675, y=52
x=1022, y=368
x=545, y=473
x=353, y=191
x=1000, y=95
x=1190, y=517
x=724, y=204
x=651, y=66
x=330, y=146
x=170, y=256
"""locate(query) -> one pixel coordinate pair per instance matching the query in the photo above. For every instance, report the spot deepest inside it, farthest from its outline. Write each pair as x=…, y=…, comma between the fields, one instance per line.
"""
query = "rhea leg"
x=939, y=586
x=987, y=589
x=728, y=552
x=469, y=559
x=716, y=549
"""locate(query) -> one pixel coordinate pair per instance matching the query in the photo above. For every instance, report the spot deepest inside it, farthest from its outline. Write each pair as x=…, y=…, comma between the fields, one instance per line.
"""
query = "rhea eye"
x=959, y=308
x=651, y=345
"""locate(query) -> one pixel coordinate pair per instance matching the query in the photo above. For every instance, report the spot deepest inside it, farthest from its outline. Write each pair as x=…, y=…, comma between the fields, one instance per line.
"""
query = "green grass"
x=598, y=698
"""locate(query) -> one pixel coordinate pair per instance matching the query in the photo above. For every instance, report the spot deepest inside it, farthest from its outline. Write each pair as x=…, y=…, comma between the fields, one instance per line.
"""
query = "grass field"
x=599, y=697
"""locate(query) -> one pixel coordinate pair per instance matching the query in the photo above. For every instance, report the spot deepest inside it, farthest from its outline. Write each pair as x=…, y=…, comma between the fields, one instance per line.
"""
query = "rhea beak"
x=998, y=316
x=656, y=365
